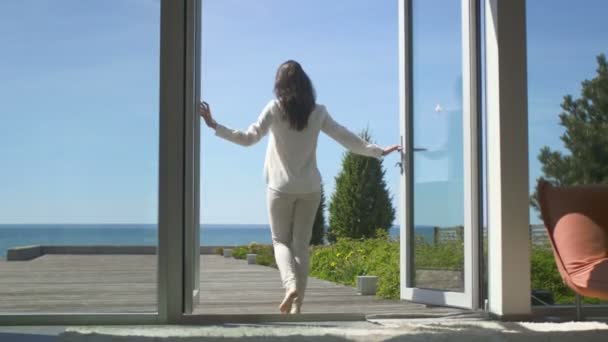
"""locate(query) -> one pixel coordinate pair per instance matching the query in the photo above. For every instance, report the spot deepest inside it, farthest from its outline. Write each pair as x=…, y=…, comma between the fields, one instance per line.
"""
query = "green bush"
x=266, y=259
x=265, y=253
x=240, y=252
x=348, y=258
x=361, y=202
x=344, y=260
x=448, y=255
x=545, y=276
x=318, y=228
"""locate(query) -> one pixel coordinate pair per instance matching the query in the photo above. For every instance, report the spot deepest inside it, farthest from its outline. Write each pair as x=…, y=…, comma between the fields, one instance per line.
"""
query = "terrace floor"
x=127, y=283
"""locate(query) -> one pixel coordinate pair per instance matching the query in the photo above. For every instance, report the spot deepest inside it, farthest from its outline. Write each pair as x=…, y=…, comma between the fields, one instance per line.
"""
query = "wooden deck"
x=127, y=283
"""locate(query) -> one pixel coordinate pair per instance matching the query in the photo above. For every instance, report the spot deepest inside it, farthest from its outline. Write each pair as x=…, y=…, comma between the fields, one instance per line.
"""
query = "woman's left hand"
x=205, y=111
x=391, y=149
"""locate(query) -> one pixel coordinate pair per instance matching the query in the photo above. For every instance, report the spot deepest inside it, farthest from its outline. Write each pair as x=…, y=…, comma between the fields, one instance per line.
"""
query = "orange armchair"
x=576, y=219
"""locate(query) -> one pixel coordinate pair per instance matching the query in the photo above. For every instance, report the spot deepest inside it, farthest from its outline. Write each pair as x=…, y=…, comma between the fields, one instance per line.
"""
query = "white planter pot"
x=227, y=253
x=251, y=259
x=367, y=285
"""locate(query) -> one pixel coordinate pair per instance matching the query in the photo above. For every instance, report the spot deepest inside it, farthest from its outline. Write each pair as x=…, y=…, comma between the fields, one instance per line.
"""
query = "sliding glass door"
x=95, y=135
x=79, y=142
x=439, y=125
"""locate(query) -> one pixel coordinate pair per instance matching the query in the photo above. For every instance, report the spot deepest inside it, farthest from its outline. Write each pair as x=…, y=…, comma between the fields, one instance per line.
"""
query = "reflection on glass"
x=438, y=132
x=79, y=156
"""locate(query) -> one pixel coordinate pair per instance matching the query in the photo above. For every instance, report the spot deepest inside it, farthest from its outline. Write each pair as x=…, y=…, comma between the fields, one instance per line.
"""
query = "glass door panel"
x=439, y=249
x=438, y=192
x=79, y=137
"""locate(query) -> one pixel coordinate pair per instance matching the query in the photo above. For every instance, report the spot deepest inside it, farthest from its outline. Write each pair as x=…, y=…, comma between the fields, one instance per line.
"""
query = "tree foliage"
x=318, y=229
x=361, y=203
x=585, y=120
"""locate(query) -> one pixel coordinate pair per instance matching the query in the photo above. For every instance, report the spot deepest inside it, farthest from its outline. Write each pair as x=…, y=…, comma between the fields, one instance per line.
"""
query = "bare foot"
x=296, y=309
x=290, y=296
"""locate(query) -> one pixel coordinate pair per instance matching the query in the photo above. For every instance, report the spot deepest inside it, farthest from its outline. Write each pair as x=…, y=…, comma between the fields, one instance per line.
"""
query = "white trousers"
x=291, y=219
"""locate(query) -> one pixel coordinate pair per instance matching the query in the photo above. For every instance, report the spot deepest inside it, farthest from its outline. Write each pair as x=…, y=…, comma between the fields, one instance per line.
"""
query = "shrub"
x=583, y=158
x=343, y=261
x=265, y=253
x=318, y=228
x=447, y=255
x=240, y=252
x=361, y=202
x=545, y=276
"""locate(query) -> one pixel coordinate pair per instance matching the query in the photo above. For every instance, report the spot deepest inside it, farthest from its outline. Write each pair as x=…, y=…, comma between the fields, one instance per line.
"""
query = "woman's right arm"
x=252, y=135
x=350, y=140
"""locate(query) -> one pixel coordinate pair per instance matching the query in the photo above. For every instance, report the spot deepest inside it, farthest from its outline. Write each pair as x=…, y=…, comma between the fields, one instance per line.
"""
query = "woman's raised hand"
x=391, y=149
x=205, y=111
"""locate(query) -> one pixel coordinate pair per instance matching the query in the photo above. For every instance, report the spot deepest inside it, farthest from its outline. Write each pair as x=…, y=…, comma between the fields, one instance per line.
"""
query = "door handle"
x=401, y=164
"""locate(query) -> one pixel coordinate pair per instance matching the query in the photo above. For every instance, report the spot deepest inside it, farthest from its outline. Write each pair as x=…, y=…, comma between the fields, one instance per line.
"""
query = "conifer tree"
x=585, y=120
x=361, y=203
x=318, y=229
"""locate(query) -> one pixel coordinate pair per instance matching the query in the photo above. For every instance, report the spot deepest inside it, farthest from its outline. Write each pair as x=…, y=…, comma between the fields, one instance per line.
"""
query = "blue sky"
x=79, y=97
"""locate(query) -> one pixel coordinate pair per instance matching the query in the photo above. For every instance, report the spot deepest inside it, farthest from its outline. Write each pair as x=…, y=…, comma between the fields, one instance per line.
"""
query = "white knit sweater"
x=291, y=158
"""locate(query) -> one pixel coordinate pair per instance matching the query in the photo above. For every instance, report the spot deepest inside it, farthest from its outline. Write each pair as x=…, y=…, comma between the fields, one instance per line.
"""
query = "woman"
x=294, y=121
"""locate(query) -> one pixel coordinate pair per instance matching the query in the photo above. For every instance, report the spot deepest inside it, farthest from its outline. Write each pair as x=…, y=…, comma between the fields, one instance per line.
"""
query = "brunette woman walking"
x=294, y=121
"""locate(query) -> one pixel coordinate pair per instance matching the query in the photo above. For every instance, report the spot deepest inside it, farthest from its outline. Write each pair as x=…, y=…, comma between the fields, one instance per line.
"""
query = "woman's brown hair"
x=295, y=93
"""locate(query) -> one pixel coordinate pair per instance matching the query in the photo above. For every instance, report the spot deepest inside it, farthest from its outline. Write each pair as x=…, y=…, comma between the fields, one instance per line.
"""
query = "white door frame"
x=178, y=178
x=192, y=181
x=507, y=128
x=471, y=154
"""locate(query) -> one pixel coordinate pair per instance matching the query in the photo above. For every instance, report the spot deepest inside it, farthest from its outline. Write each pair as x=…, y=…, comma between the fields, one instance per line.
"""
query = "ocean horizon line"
x=17, y=235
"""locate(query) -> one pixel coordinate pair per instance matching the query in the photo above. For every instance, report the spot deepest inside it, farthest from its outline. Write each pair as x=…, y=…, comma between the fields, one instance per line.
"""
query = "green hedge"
x=448, y=255
x=344, y=260
x=546, y=276
x=265, y=253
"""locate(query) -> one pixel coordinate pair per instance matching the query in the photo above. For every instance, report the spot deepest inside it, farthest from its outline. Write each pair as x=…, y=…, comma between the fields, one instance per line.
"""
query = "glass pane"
x=79, y=154
x=560, y=60
x=438, y=132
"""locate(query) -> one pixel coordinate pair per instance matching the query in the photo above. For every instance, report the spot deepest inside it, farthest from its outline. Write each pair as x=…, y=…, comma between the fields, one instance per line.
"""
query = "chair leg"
x=579, y=304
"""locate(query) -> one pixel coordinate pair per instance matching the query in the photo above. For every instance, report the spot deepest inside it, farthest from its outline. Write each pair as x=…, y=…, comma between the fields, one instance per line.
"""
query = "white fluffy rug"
x=385, y=330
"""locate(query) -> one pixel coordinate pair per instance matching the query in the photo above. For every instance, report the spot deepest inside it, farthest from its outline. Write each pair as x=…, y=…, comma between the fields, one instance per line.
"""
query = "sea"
x=16, y=235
